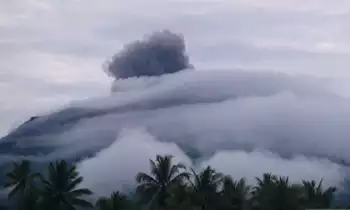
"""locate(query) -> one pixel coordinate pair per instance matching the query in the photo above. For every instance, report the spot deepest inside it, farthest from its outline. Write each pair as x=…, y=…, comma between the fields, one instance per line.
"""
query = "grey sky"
x=52, y=51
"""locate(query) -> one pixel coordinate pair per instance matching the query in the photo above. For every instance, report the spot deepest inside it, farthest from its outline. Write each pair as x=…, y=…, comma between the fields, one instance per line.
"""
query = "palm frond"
x=80, y=192
x=73, y=184
x=14, y=191
x=145, y=178
x=155, y=170
x=179, y=178
x=81, y=203
x=175, y=169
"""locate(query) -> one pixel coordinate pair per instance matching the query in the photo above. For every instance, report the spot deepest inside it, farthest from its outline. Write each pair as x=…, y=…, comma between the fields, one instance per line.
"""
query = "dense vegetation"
x=166, y=186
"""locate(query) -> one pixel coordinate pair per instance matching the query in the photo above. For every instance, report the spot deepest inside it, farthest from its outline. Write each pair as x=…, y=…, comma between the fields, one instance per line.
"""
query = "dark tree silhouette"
x=60, y=188
x=155, y=186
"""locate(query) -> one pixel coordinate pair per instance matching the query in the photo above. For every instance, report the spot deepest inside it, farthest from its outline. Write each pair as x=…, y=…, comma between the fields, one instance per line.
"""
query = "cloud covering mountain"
x=242, y=123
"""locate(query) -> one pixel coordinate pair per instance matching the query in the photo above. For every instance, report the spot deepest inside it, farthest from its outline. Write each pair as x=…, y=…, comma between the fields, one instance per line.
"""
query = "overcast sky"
x=52, y=51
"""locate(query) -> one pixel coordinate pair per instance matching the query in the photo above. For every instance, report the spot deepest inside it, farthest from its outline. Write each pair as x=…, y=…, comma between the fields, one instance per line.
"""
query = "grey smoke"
x=161, y=53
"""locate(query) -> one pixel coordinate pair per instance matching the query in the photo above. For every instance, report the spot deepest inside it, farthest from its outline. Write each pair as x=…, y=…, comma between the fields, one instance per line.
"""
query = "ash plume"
x=161, y=53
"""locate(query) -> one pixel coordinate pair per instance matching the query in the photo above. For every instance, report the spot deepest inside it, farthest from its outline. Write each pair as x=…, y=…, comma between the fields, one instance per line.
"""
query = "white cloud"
x=128, y=155
x=118, y=164
x=240, y=164
x=218, y=114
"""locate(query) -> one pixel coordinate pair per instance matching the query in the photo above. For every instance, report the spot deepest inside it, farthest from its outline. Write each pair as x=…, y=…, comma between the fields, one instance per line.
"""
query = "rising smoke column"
x=161, y=53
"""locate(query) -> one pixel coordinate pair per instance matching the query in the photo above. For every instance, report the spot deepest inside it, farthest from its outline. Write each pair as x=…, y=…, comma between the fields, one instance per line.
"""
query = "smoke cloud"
x=243, y=123
x=161, y=53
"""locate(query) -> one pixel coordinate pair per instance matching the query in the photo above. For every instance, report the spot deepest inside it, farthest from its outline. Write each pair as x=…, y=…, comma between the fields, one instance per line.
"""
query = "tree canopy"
x=166, y=186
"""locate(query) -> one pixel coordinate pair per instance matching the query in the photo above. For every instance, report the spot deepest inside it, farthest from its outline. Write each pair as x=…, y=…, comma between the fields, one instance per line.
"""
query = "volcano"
x=241, y=122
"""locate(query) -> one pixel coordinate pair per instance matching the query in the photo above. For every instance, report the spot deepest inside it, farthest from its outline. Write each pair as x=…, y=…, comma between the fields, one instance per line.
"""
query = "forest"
x=167, y=186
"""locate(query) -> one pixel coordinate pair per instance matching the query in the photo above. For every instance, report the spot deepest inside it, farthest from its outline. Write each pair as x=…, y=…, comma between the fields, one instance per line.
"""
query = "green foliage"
x=116, y=201
x=19, y=179
x=21, y=183
x=235, y=194
x=272, y=192
x=60, y=188
x=58, y=191
x=205, y=186
x=315, y=197
x=167, y=186
x=180, y=197
x=154, y=187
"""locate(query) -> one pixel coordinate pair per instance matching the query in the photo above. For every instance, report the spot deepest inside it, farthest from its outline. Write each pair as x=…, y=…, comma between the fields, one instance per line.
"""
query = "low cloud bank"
x=116, y=167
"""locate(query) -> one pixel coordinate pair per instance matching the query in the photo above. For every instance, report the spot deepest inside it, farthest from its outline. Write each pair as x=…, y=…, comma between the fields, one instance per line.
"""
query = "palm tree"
x=155, y=186
x=205, y=186
x=315, y=197
x=116, y=201
x=180, y=197
x=30, y=200
x=287, y=196
x=20, y=178
x=235, y=194
x=262, y=190
x=59, y=189
x=274, y=192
